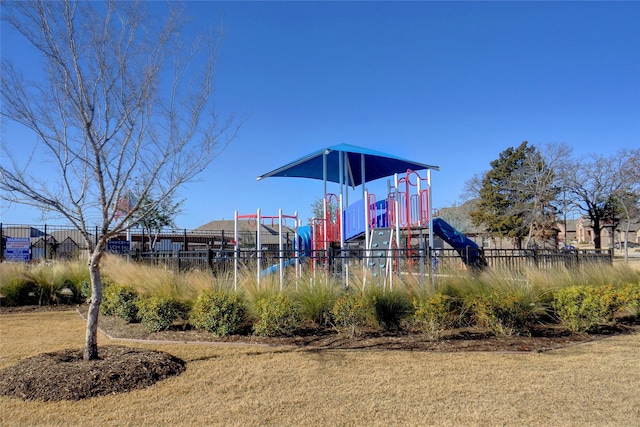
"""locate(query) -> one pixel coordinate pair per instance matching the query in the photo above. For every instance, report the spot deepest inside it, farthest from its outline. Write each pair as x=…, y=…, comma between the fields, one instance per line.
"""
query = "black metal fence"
x=19, y=242
x=215, y=250
x=398, y=259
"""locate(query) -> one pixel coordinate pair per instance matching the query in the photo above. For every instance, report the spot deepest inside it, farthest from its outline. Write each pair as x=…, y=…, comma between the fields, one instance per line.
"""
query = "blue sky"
x=445, y=83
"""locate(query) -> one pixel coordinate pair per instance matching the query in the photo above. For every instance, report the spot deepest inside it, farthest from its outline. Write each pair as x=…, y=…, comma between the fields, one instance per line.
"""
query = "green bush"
x=580, y=308
x=630, y=295
x=434, y=313
x=506, y=312
x=121, y=301
x=158, y=313
x=85, y=289
x=276, y=314
x=390, y=307
x=218, y=312
x=351, y=313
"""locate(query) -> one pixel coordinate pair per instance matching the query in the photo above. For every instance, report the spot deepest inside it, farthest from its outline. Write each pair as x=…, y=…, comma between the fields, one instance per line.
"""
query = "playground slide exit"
x=468, y=250
x=303, y=244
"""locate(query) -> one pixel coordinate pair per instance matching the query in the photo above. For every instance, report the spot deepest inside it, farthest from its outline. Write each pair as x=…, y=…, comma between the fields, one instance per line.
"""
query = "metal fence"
x=398, y=259
x=19, y=242
x=215, y=250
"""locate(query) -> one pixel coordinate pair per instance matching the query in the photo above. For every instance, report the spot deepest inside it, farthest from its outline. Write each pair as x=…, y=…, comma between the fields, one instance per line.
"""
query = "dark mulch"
x=64, y=375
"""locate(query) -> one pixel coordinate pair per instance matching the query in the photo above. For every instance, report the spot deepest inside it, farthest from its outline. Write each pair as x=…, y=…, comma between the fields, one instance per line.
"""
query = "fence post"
x=210, y=257
x=186, y=242
x=44, y=242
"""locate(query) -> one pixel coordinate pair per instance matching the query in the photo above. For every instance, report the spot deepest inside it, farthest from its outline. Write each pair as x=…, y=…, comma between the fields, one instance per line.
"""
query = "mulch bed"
x=64, y=375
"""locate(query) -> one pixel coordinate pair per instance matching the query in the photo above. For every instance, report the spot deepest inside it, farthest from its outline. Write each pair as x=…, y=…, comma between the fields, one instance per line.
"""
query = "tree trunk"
x=597, y=231
x=91, y=340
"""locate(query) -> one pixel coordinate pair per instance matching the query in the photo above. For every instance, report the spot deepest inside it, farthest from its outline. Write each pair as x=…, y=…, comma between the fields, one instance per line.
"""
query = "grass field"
x=595, y=383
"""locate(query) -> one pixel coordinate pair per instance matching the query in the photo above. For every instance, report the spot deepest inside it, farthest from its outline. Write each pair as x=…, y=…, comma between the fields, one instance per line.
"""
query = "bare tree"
x=540, y=178
x=124, y=99
x=593, y=183
x=628, y=195
x=472, y=187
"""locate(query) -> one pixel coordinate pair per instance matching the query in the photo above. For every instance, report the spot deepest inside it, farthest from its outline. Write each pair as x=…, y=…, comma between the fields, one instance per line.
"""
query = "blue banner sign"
x=17, y=249
x=118, y=246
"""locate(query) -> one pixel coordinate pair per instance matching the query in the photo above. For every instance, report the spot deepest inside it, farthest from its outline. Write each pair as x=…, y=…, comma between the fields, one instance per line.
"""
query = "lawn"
x=594, y=383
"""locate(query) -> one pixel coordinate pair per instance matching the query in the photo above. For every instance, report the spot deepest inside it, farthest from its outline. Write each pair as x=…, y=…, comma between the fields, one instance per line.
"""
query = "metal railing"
x=211, y=249
x=398, y=259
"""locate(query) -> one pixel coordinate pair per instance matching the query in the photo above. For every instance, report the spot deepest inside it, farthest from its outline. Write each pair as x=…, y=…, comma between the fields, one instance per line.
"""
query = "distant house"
x=43, y=247
x=609, y=237
x=567, y=235
x=247, y=228
x=59, y=244
x=68, y=249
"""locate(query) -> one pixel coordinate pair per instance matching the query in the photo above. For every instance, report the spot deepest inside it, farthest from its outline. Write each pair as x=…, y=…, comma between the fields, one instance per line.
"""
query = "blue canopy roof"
x=357, y=164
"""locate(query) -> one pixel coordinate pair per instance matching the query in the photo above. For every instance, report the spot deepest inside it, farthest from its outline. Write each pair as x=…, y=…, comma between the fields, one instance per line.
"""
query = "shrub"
x=218, y=312
x=630, y=295
x=157, y=313
x=120, y=301
x=85, y=289
x=506, y=312
x=276, y=315
x=433, y=314
x=390, y=307
x=580, y=308
x=351, y=312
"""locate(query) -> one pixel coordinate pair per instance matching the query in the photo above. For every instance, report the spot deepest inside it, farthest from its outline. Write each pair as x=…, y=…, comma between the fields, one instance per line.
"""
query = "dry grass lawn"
x=595, y=383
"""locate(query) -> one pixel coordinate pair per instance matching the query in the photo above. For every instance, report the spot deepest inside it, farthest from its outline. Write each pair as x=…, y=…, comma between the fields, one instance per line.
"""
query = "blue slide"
x=303, y=245
x=468, y=250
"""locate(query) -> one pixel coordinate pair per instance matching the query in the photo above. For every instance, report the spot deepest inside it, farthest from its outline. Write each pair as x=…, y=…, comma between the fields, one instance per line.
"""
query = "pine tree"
x=505, y=205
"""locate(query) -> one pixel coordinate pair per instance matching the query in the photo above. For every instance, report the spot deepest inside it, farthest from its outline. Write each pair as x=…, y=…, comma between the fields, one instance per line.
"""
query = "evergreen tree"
x=516, y=195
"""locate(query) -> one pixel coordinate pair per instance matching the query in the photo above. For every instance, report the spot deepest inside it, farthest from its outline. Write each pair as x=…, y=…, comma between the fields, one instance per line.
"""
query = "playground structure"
x=386, y=237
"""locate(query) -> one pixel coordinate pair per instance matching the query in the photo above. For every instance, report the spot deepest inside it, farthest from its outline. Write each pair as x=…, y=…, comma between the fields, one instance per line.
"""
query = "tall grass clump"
x=275, y=315
x=77, y=276
x=316, y=299
x=149, y=280
x=581, y=308
x=219, y=312
x=198, y=281
x=586, y=275
x=248, y=284
x=390, y=307
x=52, y=283
x=15, y=288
